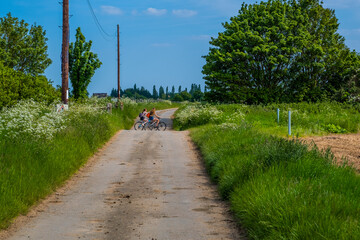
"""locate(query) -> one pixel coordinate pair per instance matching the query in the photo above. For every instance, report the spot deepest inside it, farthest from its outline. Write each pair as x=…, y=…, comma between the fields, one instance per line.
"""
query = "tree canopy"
x=23, y=60
x=23, y=48
x=16, y=85
x=82, y=65
x=280, y=51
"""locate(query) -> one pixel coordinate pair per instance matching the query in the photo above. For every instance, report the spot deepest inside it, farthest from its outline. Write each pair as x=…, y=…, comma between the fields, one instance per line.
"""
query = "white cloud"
x=155, y=12
x=350, y=32
x=184, y=12
x=226, y=7
x=162, y=45
x=111, y=10
x=134, y=12
x=201, y=37
x=341, y=4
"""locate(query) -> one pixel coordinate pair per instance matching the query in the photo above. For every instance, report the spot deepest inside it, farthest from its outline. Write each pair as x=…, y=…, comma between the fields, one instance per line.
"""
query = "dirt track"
x=143, y=185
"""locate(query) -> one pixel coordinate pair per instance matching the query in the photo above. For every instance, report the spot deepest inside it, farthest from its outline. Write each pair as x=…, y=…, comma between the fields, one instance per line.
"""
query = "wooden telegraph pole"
x=65, y=54
x=118, y=58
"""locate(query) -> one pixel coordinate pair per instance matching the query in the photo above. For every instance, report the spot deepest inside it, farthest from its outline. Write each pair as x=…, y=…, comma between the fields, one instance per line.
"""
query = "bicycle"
x=140, y=125
x=160, y=127
x=150, y=125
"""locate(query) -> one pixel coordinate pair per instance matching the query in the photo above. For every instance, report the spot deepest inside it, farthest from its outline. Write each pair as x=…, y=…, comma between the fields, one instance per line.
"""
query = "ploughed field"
x=345, y=147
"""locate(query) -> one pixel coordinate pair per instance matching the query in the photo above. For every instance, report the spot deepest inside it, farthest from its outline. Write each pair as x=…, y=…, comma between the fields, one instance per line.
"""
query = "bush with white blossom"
x=194, y=115
x=40, y=120
x=197, y=114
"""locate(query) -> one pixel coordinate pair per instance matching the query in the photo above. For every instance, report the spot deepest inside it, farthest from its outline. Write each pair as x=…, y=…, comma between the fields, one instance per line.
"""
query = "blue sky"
x=161, y=41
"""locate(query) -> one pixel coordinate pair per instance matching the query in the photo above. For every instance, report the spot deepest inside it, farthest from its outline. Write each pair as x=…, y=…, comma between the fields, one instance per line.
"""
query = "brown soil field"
x=342, y=146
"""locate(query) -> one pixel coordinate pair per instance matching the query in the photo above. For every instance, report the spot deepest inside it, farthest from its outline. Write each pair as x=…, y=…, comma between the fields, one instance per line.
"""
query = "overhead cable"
x=103, y=33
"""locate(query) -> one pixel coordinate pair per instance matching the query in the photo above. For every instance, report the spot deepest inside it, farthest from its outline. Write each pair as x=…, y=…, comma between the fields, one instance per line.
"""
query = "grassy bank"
x=307, y=118
x=278, y=188
x=32, y=164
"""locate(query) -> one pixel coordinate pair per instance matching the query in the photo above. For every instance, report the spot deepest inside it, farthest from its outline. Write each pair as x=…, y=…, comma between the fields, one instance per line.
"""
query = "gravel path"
x=143, y=185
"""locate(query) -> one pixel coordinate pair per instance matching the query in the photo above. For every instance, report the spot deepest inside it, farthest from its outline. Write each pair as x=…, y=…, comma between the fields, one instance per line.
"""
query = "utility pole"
x=118, y=58
x=65, y=53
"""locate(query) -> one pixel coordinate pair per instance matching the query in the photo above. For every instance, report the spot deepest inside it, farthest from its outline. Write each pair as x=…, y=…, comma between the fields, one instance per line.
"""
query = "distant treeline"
x=194, y=94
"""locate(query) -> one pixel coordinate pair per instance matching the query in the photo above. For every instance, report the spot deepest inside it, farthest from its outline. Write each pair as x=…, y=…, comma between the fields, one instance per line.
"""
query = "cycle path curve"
x=143, y=185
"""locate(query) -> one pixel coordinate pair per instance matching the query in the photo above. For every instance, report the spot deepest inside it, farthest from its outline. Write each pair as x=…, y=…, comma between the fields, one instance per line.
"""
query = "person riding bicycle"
x=152, y=116
x=142, y=116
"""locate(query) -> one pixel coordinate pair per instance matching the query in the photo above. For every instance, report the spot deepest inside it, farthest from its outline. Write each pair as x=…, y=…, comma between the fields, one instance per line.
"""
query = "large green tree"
x=23, y=48
x=280, y=50
x=16, y=85
x=82, y=65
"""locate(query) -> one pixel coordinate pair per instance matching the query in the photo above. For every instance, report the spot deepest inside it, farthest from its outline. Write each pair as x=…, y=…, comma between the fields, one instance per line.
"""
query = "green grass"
x=280, y=188
x=308, y=119
x=31, y=169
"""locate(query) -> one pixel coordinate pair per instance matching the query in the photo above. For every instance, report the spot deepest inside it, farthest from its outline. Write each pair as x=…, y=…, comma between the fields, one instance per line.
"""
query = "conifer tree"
x=161, y=92
x=155, y=94
x=172, y=91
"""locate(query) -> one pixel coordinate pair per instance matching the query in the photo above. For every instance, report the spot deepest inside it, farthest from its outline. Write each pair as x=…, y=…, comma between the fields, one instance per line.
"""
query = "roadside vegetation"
x=279, y=188
x=306, y=118
x=40, y=149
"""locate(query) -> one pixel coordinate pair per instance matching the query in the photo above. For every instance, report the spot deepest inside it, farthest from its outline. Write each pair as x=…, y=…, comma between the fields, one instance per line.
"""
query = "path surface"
x=144, y=185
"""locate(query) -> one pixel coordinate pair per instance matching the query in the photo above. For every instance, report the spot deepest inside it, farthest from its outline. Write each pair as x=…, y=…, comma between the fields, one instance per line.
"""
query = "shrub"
x=16, y=86
x=334, y=128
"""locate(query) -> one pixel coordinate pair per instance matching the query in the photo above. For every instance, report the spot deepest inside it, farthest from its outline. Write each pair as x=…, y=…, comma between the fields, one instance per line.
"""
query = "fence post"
x=278, y=115
x=109, y=107
x=289, y=123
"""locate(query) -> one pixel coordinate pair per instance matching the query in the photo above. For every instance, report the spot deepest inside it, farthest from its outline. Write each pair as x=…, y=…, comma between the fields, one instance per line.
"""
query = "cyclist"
x=152, y=116
x=142, y=116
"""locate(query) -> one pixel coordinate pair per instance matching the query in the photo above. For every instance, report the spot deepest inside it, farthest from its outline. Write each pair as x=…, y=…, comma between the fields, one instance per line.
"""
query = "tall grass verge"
x=32, y=164
x=307, y=118
x=278, y=188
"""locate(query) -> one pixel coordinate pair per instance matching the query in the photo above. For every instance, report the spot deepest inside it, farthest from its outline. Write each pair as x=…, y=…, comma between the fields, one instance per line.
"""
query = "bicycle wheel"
x=138, y=125
x=161, y=126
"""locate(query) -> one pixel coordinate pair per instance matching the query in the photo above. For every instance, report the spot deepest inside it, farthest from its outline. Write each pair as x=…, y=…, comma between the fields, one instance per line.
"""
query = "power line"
x=103, y=33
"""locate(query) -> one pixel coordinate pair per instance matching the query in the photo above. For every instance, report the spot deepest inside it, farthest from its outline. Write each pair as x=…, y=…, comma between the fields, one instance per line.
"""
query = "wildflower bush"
x=33, y=119
x=197, y=114
x=40, y=149
x=281, y=188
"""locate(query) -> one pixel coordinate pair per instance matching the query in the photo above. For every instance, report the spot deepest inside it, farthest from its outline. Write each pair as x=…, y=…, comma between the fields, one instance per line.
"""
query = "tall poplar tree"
x=82, y=65
x=155, y=94
x=173, y=91
x=161, y=92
